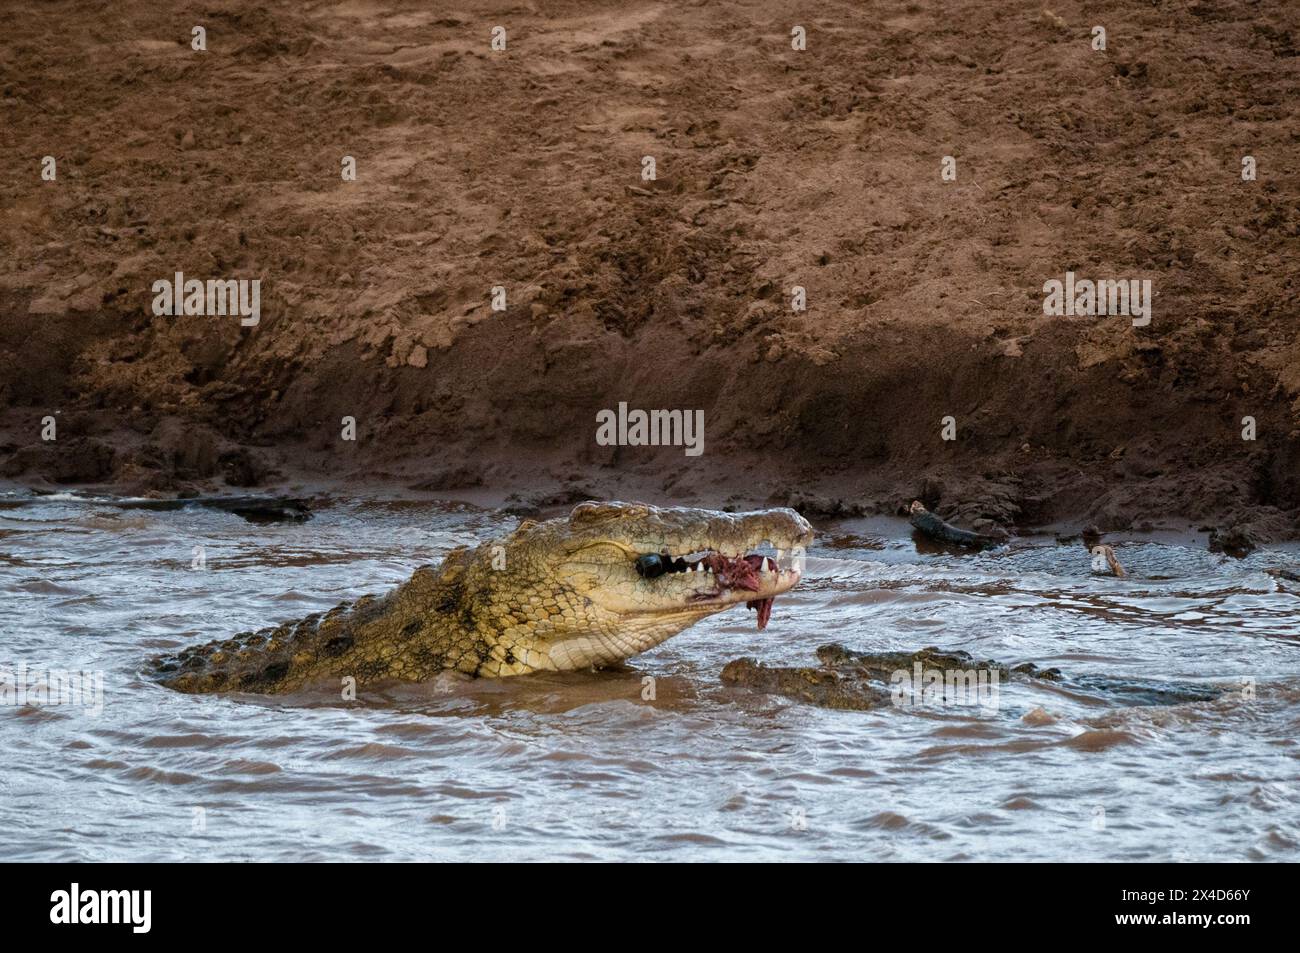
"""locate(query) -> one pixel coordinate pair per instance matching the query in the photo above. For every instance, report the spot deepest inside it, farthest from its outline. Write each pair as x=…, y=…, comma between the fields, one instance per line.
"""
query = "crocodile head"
x=615, y=579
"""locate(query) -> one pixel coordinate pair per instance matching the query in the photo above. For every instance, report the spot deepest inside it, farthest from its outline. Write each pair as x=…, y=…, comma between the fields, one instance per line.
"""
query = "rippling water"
x=579, y=766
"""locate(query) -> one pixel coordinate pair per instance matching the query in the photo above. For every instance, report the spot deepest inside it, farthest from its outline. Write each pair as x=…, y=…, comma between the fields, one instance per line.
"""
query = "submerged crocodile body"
x=861, y=681
x=602, y=584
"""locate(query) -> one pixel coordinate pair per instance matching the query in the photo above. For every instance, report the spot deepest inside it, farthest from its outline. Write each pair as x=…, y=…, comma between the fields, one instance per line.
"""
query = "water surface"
x=581, y=766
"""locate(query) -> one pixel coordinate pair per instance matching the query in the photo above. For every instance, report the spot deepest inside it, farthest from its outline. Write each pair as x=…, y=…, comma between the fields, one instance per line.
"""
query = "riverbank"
x=776, y=169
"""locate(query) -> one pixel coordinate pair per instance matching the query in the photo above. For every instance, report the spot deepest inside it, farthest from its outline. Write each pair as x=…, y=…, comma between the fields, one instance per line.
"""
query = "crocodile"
x=586, y=590
x=861, y=681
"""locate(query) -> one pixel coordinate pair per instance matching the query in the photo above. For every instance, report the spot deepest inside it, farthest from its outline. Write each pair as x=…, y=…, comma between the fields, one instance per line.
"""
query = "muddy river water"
x=584, y=766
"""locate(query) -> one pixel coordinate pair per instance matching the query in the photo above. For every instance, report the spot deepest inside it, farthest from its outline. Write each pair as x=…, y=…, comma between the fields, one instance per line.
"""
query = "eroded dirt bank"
x=775, y=168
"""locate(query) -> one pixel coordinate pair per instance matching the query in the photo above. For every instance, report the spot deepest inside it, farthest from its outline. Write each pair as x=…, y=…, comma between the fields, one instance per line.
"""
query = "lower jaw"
x=762, y=604
x=754, y=579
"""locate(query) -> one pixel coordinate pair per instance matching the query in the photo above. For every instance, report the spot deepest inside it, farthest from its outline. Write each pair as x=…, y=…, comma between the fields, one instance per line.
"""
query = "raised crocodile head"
x=616, y=579
x=594, y=587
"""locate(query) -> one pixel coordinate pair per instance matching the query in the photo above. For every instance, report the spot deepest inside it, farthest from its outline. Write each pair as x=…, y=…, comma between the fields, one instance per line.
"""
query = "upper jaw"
x=737, y=534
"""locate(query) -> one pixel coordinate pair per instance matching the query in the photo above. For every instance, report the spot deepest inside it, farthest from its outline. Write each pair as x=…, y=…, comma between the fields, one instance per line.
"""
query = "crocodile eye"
x=648, y=567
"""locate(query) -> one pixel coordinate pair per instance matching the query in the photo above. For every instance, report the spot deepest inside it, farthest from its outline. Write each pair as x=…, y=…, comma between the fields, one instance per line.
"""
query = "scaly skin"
x=560, y=595
x=861, y=681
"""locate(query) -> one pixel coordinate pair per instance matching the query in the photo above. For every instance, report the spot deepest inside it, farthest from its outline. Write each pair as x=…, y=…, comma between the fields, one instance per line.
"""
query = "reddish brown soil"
x=775, y=168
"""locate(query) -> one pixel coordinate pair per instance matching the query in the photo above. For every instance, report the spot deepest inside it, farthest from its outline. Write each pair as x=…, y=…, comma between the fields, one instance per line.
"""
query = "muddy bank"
x=775, y=169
